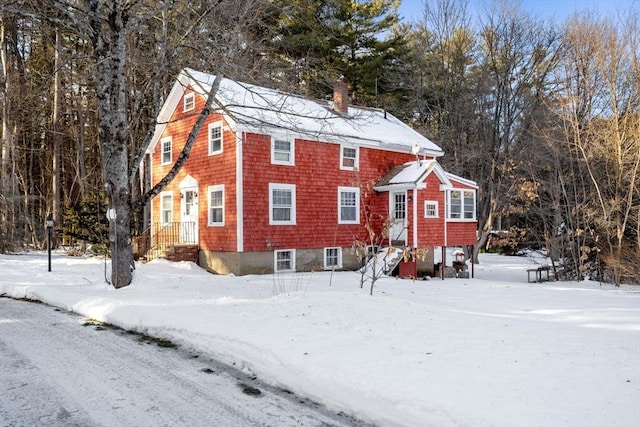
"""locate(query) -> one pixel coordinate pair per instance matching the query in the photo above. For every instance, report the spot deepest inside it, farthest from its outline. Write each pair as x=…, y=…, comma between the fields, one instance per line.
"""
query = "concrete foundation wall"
x=306, y=260
x=263, y=262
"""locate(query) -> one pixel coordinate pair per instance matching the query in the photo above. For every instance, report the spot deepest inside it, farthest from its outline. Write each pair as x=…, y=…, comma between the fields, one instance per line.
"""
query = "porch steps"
x=176, y=253
x=386, y=260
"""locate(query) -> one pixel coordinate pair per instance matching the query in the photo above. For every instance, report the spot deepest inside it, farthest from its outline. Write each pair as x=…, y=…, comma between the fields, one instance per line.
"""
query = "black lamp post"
x=49, y=229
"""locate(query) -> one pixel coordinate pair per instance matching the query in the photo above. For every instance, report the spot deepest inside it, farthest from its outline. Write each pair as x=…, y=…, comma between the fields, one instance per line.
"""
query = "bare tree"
x=601, y=112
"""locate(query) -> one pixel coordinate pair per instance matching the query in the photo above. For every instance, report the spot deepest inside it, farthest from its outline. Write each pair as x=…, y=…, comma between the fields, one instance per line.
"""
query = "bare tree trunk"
x=7, y=140
x=108, y=40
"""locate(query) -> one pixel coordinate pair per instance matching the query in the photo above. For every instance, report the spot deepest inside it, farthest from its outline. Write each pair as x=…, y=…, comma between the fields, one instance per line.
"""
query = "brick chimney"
x=341, y=97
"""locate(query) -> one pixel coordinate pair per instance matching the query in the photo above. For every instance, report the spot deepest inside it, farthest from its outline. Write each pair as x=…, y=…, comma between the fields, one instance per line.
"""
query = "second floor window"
x=282, y=151
x=215, y=138
x=166, y=150
x=348, y=158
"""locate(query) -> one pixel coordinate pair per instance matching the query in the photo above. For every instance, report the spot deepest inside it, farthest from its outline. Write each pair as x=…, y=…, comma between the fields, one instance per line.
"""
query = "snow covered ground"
x=490, y=351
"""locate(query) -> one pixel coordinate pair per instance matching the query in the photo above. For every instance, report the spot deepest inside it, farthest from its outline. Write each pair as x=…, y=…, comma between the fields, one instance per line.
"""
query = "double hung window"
x=166, y=144
x=282, y=151
x=215, y=138
x=166, y=207
x=348, y=205
x=282, y=204
x=348, y=157
x=216, y=205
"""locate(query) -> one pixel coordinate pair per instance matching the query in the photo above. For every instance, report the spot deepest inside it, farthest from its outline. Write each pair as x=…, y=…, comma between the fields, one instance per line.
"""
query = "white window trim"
x=288, y=187
x=357, y=207
x=211, y=189
x=330, y=267
x=162, y=152
x=189, y=102
x=435, y=204
x=462, y=218
x=292, y=160
x=212, y=125
x=293, y=261
x=164, y=194
x=356, y=160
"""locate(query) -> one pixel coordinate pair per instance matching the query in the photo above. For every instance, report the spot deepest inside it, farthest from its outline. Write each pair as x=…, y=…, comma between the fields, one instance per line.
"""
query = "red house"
x=279, y=182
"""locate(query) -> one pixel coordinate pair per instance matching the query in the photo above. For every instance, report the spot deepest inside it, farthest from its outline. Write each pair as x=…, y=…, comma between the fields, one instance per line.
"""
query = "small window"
x=189, y=102
x=332, y=258
x=166, y=207
x=215, y=138
x=430, y=209
x=462, y=204
x=469, y=204
x=348, y=158
x=282, y=204
x=166, y=150
x=282, y=151
x=216, y=205
x=348, y=205
x=284, y=260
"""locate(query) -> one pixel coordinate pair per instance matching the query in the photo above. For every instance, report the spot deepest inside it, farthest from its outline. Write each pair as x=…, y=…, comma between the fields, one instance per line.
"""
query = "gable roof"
x=413, y=174
x=258, y=109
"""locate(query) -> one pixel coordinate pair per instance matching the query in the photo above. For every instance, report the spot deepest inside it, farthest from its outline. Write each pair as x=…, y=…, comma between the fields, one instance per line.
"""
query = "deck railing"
x=160, y=237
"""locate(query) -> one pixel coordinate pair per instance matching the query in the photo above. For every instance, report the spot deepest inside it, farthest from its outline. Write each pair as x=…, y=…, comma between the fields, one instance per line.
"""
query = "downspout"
x=239, y=194
x=415, y=218
x=446, y=237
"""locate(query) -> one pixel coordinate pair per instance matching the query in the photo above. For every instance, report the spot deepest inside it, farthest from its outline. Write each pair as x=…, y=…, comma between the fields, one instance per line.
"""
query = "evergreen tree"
x=321, y=41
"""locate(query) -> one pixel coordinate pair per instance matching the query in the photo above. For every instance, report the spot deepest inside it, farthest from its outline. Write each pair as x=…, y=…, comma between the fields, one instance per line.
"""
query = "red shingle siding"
x=431, y=230
x=207, y=170
x=317, y=176
x=461, y=233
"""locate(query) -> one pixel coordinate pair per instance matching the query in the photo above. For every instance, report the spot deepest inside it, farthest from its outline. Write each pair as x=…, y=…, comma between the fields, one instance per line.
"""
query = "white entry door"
x=398, y=217
x=189, y=215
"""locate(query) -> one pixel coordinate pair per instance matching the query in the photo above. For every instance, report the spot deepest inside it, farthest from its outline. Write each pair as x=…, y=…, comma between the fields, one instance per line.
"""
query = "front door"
x=398, y=218
x=189, y=215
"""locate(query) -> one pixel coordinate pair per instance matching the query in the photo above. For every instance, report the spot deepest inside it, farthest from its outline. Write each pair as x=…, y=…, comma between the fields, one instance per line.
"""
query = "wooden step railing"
x=159, y=238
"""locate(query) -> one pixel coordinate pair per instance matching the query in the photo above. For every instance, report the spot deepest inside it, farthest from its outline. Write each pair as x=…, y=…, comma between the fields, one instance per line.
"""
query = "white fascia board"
x=164, y=116
x=400, y=187
x=463, y=180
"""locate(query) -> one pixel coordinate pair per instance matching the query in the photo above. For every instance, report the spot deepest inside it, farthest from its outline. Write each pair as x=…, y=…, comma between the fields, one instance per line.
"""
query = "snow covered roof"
x=258, y=109
x=413, y=174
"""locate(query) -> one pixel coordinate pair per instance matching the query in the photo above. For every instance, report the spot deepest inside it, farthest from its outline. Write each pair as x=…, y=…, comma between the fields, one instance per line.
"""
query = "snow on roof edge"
x=338, y=132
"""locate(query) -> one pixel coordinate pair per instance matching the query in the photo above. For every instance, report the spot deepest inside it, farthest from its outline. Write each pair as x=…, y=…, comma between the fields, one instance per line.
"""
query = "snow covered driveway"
x=58, y=369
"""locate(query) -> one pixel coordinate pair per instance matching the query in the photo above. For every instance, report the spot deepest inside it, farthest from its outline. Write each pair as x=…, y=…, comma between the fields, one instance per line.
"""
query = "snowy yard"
x=489, y=351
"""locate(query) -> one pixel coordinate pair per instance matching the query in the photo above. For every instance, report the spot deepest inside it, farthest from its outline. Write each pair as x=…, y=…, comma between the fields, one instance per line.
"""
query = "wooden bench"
x=541, y=274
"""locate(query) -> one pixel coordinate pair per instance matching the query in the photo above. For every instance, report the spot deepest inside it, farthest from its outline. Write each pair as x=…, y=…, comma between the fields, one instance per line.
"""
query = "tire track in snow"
x=54, y=371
